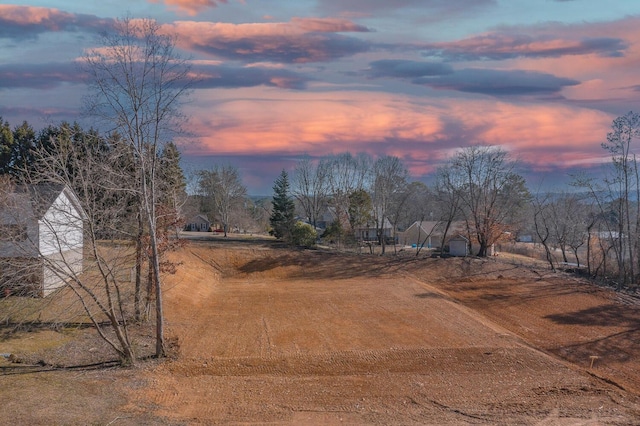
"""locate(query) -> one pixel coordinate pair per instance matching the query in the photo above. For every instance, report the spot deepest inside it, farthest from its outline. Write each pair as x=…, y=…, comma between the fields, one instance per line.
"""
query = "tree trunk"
x=150, y=287
x=138, y=285
x=160, y=347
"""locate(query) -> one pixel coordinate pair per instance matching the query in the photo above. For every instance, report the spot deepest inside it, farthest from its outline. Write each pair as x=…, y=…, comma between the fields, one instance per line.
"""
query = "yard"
x=264, y=334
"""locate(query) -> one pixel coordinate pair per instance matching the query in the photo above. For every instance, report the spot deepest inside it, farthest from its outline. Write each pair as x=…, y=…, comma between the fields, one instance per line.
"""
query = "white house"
x=41, y=238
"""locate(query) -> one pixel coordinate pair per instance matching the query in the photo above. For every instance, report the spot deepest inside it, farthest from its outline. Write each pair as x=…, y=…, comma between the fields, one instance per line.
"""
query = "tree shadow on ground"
x=616, y=347
x=431, y=295
x=610, y=315
x=319, y=264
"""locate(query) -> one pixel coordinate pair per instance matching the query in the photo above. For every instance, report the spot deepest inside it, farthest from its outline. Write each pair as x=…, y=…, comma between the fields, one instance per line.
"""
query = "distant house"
x=370, y=233
x=327, y=216
x=198, y=223
x=526, y=238
x=41, y=238
x=429, y=234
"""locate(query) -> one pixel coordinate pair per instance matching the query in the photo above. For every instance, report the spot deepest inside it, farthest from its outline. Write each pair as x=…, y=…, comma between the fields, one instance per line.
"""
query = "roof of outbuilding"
x=33, y=201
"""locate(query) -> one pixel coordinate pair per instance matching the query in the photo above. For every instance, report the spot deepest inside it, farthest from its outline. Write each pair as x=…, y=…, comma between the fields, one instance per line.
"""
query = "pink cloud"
x=606, y=39
x=190, y=7
x=326, y=25
x=20, y=22
x=417, y=130
x=298, y=41
x=602, y=77
x=28, y=15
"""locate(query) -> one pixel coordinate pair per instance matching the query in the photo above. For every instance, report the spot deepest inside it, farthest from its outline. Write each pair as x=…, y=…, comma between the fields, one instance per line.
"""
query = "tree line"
x=370, y=199
x=592, y=226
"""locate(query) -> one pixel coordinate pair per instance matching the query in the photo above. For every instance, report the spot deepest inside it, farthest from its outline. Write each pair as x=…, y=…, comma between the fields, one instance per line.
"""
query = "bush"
x=304, y=235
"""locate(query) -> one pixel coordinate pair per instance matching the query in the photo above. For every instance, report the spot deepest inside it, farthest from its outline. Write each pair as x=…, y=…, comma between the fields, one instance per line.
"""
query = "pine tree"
x=6, y=146
x=282, y=218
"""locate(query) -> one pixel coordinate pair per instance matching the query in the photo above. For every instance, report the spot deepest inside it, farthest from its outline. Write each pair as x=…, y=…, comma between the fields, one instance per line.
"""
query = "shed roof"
x=33, y=201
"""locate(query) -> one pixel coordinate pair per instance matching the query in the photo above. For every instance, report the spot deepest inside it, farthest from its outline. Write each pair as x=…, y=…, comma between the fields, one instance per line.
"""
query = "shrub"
x=304, y=235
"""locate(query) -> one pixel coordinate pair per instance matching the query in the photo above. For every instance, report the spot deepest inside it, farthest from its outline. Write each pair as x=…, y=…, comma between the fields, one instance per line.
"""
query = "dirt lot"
x=271, y=335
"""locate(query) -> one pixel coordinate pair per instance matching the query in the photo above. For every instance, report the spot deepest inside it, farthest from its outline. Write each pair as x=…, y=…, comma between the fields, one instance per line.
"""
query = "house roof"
x=437, y=227
x=33, y=201
x=202, y=217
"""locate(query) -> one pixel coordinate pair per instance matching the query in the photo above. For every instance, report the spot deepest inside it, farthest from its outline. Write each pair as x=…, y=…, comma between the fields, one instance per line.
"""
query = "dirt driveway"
x=310, y=337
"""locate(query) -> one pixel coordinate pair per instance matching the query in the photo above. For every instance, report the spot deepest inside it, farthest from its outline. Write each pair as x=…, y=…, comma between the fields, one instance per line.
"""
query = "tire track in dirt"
x=419, y=361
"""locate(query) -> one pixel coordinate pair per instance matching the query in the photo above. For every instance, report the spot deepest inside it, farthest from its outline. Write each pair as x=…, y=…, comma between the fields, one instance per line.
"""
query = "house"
x=429, y=234
x=370, y=233
x=198, y=223
x=41, y=238
x=327, y=216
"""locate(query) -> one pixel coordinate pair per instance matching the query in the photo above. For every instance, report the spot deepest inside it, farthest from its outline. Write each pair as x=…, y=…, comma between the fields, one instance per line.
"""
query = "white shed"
x=41, y=238
x=459, y=246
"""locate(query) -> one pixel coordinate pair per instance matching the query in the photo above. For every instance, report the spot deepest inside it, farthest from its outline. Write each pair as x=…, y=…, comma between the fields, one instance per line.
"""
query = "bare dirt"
x=269, y=335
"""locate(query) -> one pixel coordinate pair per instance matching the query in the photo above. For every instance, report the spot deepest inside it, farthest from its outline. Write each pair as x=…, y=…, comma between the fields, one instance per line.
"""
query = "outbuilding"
x=459, y=246
x=41, y=238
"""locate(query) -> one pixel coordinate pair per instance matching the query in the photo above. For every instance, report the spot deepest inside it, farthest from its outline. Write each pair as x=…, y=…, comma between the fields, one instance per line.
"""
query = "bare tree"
x=345, y=175
x=543, y=216
x=390, y=177
x=309, y=186
x=491, y=192
x=224, y=192
x=405, y=203
x=137, y=81
x=448, y=198
x=624, y=182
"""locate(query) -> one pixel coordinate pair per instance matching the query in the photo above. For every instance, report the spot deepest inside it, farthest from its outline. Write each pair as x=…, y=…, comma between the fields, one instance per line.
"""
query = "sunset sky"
x=412, y=78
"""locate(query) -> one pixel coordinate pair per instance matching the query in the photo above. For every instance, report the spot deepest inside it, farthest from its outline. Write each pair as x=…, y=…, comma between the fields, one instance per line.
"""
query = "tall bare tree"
x=390, y=177
x=223, y=192
x=310, y=188
x=624, y=182
x=345, y=175
x=137, y=81
x=492, y=193
x=543, y=216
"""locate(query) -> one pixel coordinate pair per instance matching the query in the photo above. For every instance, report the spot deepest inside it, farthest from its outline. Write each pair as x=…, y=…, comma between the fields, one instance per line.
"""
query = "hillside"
x=265, y=334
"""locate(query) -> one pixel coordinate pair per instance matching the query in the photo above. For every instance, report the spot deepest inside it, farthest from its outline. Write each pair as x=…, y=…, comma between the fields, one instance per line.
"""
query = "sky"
x=416, y=79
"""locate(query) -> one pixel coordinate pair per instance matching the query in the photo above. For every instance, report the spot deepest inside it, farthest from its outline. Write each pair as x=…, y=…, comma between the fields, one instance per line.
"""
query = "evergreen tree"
x=172, y=186
x=282, y=217
x=25, y=143
x=6, y=146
